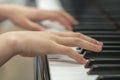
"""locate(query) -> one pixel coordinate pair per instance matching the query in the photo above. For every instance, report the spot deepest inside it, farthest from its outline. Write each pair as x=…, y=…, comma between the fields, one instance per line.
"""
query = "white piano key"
x=67, y=69
x=58, y=56
x=49, y=4
x=53, y=26
x=62, y=67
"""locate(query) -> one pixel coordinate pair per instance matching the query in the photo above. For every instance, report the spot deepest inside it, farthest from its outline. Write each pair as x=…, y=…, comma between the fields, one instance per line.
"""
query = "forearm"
x=6, y=51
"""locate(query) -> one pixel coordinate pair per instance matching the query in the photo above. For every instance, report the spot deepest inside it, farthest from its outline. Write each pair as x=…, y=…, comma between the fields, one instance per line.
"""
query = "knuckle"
x=68, y=50
x=62, y=12
x=78, y=34
x=70, y=33
x=54, y=37
x=56, y=12
x=59, y=12
x=76, y=40
x=57, y=16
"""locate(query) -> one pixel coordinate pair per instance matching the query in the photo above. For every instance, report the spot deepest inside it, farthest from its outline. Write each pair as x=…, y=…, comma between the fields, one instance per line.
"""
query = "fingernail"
x=84, y=61
x=100, y=43
x=76, y=23
x=71, y=28
x=99, y=48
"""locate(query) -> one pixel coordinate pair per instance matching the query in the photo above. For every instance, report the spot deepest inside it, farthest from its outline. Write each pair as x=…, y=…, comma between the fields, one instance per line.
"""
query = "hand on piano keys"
x=45, y=42
x=94, y=23
x=26, y=17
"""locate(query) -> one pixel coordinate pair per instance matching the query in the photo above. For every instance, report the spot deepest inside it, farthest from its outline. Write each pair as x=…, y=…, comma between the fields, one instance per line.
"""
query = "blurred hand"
x=26, y=17
x=44, y=43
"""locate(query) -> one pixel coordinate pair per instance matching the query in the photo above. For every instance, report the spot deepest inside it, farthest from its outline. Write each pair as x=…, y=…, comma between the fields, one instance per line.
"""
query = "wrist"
x=9, y=43
x=7, y=47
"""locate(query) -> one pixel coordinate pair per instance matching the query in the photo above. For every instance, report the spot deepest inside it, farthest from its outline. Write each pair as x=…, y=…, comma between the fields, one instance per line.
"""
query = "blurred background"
x=18, y=68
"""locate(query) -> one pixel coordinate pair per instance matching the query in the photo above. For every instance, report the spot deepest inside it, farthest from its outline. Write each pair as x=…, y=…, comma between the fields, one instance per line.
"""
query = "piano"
x=99, y=19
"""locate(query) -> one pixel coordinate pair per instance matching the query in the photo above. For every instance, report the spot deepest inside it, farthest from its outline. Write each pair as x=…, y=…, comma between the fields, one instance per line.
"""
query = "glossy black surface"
x=99, y=19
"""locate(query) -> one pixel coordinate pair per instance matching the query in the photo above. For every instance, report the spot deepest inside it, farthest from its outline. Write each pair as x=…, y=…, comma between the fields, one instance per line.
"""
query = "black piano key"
x=108, y=77
x=106, y=37
x=103, y=54
x=78, y=48
x=100, y=32
x=88, y=25
x=102, y=61
x=75, y=8
x=82, y=51
x=109, y=47
x=106, y=47
x=76, y=30
x=91, y=12
x=94, y=27
x=105, y=69
x=111, y=43
x=91, y=20
x=94, y=24
x=66, y=4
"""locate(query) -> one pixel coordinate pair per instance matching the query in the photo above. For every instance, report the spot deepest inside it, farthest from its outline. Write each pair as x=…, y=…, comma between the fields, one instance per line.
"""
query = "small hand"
x=51, y=43
x=26, y=17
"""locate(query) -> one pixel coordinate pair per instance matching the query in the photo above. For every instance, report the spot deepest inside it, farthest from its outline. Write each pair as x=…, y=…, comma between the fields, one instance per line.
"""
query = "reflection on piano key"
x=109, y=77
x=66, y=69
x=102, y=61
x=105, y=69
x=49, y=5
x=53, y=26
x=103, y=54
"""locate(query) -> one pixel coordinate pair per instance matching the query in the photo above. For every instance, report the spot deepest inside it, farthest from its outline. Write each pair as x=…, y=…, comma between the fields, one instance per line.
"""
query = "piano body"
x=99, y=19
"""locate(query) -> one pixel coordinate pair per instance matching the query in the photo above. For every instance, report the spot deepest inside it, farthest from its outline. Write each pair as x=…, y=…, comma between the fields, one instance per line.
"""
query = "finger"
x=77, y=57
x=92, y=40
x=27, y=24
x=89, y=39
x=78, y=35
x=56, y=16
x=76, y=42
x=65, y=23
x=69, y=17
x=71, y=53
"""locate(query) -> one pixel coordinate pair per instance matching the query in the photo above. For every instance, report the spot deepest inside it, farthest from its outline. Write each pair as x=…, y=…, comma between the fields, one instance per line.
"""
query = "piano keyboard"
x=98, y=19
